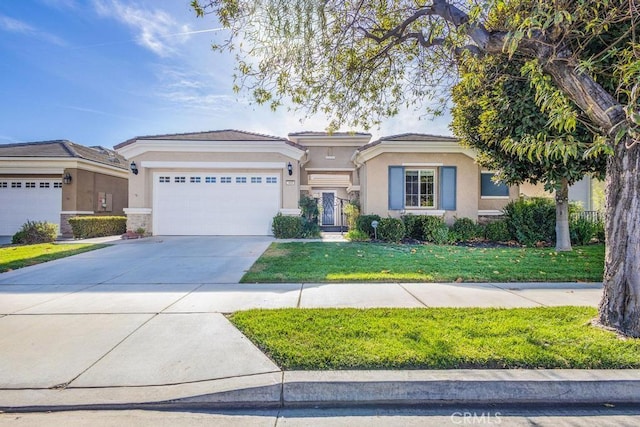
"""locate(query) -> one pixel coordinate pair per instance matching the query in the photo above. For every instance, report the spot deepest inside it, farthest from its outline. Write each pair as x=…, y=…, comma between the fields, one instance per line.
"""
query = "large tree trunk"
x=563, y=237
x=620, y=305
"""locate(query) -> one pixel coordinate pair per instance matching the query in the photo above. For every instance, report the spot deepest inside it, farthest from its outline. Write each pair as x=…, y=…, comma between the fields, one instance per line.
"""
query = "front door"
x=328, y=209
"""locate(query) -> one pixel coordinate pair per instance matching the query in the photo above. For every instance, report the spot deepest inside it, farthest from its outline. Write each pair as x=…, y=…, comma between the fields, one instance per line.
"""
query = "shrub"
x=33, y=232
x=497, y=231
x=465, y=229
x=433, y=228
x=598, y=230
x=413, y=227
x=84, y=227
x=352, y=212
x=581, y=231
x=287, y=227
x=356, y=235
x=309, y=221
x=391, y=230
x=363, y=223
x=440, y=235
x=531, y=220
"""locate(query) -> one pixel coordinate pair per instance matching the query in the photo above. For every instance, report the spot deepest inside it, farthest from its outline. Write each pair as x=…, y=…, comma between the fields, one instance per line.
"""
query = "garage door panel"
x=28, y=200
x=215, y=208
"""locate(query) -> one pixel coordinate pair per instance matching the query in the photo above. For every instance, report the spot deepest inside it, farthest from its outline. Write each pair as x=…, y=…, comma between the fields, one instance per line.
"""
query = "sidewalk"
x=143, y=325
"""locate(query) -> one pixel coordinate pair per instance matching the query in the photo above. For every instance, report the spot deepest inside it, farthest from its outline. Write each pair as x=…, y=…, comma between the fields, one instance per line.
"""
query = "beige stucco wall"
x=375, y=183
x=496, y=203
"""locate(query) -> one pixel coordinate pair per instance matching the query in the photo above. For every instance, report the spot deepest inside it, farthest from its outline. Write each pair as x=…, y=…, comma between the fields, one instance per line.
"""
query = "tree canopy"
x=359, y=61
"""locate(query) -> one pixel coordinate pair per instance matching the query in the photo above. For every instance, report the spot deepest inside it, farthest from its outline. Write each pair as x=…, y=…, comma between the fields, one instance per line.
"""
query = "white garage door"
x=215, y=203
x=28, y=199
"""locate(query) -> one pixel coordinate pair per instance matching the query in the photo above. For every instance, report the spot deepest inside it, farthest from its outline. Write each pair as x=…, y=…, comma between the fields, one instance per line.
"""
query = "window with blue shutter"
x=448, y=188
x=396, y=187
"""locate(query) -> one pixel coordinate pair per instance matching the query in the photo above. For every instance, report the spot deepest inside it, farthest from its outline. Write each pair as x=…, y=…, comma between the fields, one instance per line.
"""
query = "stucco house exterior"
x=230, y=182
x=56, y=180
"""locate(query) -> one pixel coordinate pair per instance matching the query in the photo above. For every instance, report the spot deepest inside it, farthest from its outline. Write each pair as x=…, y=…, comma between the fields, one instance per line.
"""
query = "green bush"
x=391, y=230
x=598, y=230
x=363, y=223
x=497, y=231
x=309, y=220
x=581, y=231
x=352, y=212
x=84, y=227
x=33, y=232
x=433, y=228
x=422, y=227
x=465, y=229
x=531, y=220
x=287, y=227
x=440, y=235
x=413, y=227
x=356, y=235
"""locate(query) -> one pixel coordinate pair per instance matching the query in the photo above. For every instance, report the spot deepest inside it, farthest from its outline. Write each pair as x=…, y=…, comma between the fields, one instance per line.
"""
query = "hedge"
x=84, y=227
x=287, y=227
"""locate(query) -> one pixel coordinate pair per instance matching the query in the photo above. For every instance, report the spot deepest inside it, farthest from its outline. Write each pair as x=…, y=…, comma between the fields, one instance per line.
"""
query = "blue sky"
x=99, y=72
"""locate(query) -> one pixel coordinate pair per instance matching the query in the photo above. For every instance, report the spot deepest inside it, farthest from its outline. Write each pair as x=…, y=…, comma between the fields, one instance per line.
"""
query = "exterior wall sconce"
x=67, y=178
x=290, y=169
x=134, y=168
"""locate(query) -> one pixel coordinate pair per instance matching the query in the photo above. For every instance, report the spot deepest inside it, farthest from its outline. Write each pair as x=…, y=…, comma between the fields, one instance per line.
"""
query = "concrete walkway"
x=142, y=322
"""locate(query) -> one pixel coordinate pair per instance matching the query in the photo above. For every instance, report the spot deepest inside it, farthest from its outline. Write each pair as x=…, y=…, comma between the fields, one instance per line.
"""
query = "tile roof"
x=213, y=135
x=64, y=149
x=425, y=137
x=313, y=133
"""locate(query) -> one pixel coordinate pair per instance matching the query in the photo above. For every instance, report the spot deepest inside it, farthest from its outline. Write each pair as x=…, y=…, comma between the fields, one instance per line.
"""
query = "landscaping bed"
x=436, y=338
x=315, y=262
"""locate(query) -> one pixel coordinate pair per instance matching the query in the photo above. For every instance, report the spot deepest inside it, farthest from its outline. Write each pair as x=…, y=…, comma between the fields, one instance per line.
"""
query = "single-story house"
x=234, y=182
x=56, y=180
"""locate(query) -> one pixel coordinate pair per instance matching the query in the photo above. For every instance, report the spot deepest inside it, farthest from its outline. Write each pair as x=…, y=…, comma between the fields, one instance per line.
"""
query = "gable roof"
x=63, y=148
x=212, y=135
x=419, y=137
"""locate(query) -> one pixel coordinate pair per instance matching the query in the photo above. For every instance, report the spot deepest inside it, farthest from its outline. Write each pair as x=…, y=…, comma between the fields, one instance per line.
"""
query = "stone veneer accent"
x=137, y=219
x=65, y=227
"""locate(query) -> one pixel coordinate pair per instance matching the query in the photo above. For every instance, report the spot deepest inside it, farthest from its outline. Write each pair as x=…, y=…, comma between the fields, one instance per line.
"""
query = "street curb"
x=295, y=389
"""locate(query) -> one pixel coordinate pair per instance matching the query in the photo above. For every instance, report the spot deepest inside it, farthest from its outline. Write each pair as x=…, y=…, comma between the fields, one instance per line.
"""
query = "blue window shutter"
x=448, y=188
x=396, y=187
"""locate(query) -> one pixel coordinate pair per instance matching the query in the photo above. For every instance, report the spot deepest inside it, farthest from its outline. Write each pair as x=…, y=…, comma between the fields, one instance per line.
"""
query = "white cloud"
x=12, y=25
x=155, y=29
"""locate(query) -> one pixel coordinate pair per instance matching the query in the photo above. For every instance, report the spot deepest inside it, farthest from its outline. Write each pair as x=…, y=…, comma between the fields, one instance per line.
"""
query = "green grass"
x=436, y=338
x=13, y=257
x=367, y=262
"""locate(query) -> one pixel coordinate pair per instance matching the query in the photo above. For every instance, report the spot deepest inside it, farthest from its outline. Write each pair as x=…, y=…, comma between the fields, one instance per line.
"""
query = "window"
x=179, y=179
x=420, y=188
x=272, y=180
x=194, y=180
x=241, y=179
x=16, y=185
x=3, y=185
x=225, y=179
x=210, y=179
x=30, y=185
x=256, y=180
x=489, y=188
x=165, y=179
x=44, y=185
x=57, y=185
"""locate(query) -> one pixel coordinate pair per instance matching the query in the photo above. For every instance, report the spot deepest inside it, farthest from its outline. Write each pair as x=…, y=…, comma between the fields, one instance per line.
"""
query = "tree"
x=495, y=112
x=359, y=61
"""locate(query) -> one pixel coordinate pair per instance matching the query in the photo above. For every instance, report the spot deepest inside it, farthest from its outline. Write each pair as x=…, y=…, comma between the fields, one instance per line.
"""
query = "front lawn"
x=436, y=338
x=368, y=262
x=12, y=257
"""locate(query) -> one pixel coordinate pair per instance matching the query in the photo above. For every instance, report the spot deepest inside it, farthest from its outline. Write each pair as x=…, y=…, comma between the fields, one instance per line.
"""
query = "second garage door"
x=23, y=200
x=215, y=203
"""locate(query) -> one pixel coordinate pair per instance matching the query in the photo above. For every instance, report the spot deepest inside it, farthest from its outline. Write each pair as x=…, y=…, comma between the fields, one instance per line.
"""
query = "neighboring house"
x=233, y=182
x=55, y=180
